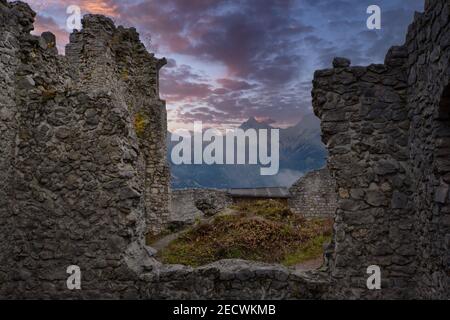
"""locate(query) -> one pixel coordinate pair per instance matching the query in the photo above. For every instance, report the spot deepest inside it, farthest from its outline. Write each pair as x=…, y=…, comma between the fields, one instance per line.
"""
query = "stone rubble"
x=189, y=205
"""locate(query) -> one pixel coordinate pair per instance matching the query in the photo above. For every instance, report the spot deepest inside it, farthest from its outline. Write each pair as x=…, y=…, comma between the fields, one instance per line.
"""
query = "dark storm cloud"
x=278, y=44
x=256, y=41
x=267, y=49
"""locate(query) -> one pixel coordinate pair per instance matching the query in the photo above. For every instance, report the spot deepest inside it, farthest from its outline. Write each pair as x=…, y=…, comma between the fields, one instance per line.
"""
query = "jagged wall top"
x=99, y=33
x=18, y=15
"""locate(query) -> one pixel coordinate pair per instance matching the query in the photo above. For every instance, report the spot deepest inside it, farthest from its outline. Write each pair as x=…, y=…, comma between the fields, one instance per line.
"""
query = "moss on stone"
x=48, y=95
x=125, y=75
x=310, y=250
x=140, y=123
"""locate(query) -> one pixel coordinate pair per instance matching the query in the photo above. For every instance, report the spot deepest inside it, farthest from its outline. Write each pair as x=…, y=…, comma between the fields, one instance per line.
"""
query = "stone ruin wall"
x=189, y=205
x=135, y=77
x=314, y=195
x=428, y=44
x=182, y=209
x=84, y=173
x=388, y=139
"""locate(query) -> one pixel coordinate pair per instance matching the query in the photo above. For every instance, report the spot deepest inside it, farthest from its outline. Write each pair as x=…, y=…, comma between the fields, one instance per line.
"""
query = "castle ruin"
x=84, y=173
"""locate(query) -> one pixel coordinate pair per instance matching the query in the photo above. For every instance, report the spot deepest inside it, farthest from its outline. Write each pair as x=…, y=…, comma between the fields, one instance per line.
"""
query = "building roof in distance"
x=275, y=192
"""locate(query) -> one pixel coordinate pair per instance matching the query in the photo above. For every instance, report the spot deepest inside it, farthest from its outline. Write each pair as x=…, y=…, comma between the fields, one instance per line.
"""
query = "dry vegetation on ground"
x=265, y=231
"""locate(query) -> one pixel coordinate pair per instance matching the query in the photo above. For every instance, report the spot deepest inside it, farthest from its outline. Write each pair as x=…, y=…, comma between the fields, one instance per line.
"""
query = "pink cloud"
x=176, y=91
x=106, y=7
x=251, y=44
x=234, y=85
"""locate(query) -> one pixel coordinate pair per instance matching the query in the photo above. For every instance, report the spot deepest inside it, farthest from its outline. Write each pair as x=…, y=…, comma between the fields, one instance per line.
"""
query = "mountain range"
x=301, y=151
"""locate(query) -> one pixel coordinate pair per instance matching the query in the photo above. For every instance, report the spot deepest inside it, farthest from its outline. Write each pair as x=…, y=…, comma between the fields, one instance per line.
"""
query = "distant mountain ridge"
x=252, y=123
x=301, y=151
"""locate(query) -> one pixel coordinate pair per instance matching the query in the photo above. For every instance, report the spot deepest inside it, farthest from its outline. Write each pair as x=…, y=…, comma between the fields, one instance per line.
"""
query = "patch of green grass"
x=190, y=254
x=310, y=250
x=152, y=238
x=269, y=209
x=265, y=231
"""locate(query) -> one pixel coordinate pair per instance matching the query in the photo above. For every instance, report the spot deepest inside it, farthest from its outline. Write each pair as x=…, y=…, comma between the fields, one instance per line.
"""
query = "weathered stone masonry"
x=314, y=195
x=92, y=53
x=388, y=133
x=189, y=205
x=83, y=170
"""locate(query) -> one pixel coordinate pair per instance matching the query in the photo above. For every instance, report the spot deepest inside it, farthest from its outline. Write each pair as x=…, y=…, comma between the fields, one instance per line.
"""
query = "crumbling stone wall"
x=428, y=45
x=92, y=52
x=183, y=211
x=234, y=280
x=361, y=124
x=387, y=143
x=83, y=179
x=211, y=201
x=188, y=205
x=314, y=195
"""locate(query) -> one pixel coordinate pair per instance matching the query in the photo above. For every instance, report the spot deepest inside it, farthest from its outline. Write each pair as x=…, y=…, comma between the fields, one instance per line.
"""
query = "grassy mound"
x=265, y=231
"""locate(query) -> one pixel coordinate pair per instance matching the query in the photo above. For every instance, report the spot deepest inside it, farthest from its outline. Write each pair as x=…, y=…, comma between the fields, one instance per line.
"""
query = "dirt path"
x=309, y=265
x=165, y=241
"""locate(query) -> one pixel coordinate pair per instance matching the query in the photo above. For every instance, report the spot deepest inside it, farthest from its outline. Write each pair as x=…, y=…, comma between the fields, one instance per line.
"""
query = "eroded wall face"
x=76, y=174
x=428, y=44
x=314, y=195
x=189, y=205
x=11, y=29
x=389, y=153
x=108, y=58
x=365, y=126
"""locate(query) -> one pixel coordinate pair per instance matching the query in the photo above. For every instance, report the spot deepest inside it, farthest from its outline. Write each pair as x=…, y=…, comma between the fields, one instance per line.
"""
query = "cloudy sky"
x=233, y=59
